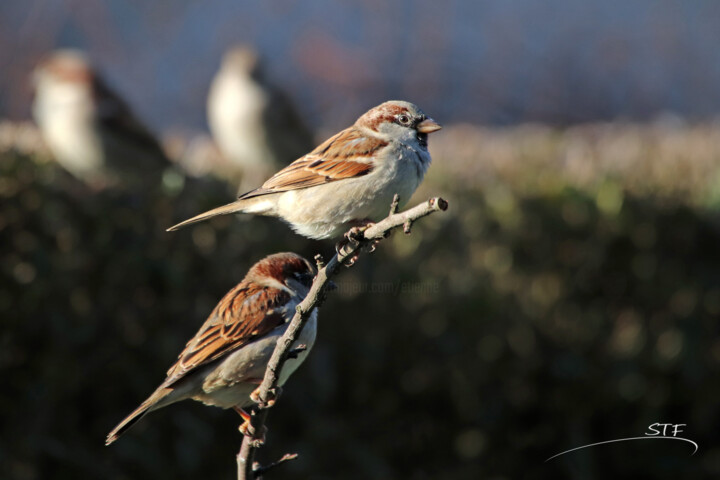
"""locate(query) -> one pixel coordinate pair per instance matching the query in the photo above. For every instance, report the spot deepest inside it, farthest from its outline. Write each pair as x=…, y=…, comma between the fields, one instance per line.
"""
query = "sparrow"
x=223, y=364
x=88, y=128
x=347, y=181
x=255, y=125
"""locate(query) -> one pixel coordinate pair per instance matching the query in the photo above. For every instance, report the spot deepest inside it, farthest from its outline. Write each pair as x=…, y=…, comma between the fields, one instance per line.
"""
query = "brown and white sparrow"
x=348, y=180
x=223, y=364
x=88, y=128
x=255, y=125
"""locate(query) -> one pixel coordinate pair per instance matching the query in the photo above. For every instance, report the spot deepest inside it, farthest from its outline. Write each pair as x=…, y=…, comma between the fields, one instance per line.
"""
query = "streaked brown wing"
x=343, y=156
x=248, y=311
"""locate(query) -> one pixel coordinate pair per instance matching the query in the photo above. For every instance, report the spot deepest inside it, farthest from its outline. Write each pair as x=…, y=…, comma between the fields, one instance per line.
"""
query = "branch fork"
x=359, y=239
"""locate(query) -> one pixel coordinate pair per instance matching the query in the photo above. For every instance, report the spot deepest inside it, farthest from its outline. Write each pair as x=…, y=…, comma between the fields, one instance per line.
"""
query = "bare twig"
x=395, y=205
x=264, y=469
x=407, y=227
x=267, y=392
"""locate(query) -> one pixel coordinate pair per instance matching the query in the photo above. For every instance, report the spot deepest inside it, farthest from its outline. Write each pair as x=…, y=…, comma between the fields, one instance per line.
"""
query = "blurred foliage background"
x=570, y=295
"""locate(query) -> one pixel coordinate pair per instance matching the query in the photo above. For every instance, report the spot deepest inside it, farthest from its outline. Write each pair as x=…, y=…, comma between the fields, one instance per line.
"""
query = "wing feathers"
x=245, y=313
x=346, y=155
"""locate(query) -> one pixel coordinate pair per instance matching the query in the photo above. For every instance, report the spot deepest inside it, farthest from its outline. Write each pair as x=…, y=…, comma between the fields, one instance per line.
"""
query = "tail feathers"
x=235, y=207
x=152, y=403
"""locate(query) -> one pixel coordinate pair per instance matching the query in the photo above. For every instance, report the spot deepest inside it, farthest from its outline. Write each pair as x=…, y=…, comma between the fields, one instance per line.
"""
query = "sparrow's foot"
x=354, y=235
x=340, y=245
x=247, y=429
x=373, y=245
x=243, y=414
x=273, y=395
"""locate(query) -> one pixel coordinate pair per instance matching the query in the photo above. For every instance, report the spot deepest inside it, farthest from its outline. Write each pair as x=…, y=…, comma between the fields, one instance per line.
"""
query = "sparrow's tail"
x=235, y=207
x=152, y=403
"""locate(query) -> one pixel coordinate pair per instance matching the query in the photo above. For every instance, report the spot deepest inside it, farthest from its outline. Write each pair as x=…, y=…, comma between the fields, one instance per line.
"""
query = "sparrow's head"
x=243, y=59
x=288, y=269
x=69, y=67
x=399, y=119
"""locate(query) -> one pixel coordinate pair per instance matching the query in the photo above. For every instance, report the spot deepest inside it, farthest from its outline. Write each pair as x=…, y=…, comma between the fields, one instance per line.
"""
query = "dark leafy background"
x=522, y=322
x=570, y=295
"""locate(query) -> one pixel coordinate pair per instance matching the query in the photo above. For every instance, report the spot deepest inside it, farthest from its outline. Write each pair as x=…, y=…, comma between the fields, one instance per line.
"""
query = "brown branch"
x=357, y=241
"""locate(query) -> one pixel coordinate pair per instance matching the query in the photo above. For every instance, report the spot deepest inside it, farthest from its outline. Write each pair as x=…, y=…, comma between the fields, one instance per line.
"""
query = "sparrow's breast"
x=230, y=382
x=401, y=174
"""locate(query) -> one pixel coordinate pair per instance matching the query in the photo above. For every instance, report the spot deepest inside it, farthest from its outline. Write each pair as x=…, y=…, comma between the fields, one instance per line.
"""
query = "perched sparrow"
x=225, y=362
x=348, y=180
x=89, y=129
x=255, y=125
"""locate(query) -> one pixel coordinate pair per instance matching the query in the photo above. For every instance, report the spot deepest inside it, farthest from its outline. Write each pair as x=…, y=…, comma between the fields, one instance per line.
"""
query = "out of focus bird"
x=350, y=179
x=223, y=364
x=254, y=124
x=88, y=128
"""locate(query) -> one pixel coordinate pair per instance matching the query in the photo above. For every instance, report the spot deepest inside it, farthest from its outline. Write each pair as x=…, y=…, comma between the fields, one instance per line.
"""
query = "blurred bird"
x=350, y=179
x=225, y=362
x=255, y=125
x=90, y=130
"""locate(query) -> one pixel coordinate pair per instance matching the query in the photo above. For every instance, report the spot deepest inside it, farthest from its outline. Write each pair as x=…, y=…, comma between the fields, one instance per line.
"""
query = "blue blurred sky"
x=496, y=62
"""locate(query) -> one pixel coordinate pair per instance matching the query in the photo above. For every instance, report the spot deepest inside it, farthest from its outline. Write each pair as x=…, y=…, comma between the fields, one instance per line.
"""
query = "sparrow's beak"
x=428, y=126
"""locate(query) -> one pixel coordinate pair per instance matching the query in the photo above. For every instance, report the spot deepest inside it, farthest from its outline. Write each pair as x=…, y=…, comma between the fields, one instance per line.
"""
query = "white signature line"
x=625, y=440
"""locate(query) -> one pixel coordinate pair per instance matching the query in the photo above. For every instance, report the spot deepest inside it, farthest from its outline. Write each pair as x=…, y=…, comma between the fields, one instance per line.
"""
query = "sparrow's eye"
x=403, y=119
